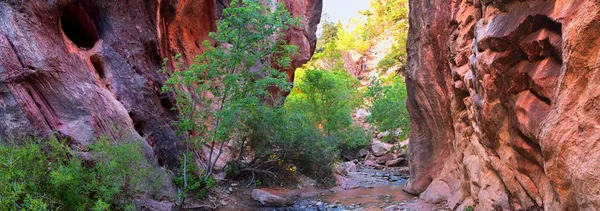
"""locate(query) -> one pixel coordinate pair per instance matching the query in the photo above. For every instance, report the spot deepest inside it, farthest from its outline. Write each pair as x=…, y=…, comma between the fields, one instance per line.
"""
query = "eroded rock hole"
x=138, y=125
x=98, y=66
x=166, y=103
x=78, y=27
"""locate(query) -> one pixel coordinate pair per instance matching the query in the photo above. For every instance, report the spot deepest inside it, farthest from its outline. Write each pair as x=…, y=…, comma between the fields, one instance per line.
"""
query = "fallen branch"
x=253, y=170
x=213, y=207
x=252, y=180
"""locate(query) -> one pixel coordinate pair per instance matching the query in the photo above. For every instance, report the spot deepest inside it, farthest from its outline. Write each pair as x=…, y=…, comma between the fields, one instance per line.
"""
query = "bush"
x=316, y=122
x=47, y=174
x=326, y=99
x=388, y=109
x=194, y=179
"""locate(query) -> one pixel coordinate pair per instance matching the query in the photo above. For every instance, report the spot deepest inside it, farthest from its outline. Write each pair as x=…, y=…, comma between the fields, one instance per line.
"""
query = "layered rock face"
x=503, y=97
x=87, y=68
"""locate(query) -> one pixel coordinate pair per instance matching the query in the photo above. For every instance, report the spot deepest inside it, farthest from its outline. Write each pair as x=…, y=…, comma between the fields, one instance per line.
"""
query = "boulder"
x=370, y=156
x=345, y=168
x=396, y=162
x=385, y=158
x=349, y=166
x=346, y=183
x=379, y=149
x=153, y=205
x=268, y=199
x=363, y=153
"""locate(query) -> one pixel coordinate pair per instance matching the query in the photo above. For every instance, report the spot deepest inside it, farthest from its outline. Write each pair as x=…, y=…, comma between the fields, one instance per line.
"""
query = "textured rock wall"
x=504, y=101
x=85, y=68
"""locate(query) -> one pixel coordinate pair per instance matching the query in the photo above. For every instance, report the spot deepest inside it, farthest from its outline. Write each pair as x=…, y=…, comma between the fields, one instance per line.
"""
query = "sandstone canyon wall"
x=86, y=68
x=504, y=97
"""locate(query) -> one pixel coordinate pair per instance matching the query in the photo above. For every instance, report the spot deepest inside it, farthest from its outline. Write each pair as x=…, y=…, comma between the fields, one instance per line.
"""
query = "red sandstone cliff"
x=86, y=68
x=504, y=102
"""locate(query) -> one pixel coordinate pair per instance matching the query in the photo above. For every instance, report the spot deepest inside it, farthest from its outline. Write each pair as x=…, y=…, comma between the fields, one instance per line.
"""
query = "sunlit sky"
x=343, y=9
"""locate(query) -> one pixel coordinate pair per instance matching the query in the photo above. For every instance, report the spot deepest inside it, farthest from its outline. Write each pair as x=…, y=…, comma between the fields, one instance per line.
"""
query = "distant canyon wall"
x=505, y=103
x=86, y=68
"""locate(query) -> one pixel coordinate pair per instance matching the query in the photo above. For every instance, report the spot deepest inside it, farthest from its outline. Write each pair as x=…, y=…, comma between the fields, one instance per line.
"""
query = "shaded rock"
x=349, y=166
x=346, y=183
x=348, y=156
x=379, y=149
x=268, y=199
x=397, y=162
x=370, y=156
x=153, y=205
x=345, y=168
x=363, y=153
x=385, y=158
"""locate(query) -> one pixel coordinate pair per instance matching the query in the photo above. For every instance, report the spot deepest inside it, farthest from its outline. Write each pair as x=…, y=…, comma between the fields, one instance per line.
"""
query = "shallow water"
x=378, y=190
x=381, y=196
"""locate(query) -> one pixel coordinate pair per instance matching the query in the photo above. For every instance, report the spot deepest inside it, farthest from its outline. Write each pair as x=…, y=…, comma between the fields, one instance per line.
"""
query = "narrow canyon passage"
x=299, y=105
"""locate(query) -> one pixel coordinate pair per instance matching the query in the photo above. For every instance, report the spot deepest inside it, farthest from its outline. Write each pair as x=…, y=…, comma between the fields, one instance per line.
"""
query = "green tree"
x=388, y=109
x=328, y=33
x=227, y=85
x=327, y=100
x=328, y=96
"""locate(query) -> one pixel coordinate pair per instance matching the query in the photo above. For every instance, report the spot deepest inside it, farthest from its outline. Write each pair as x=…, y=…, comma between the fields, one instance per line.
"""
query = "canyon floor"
x=372, y=189
x=373, y=180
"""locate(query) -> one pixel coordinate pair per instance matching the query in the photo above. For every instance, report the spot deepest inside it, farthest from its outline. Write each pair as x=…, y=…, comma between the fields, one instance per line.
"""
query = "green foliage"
x=389, y=17
x=326, y=99
x=329, y=58
x=395, y=57
x=384, y=15
x=318, y=119
x=228, y=85
x=47, y=174
x=195, y=182
x=348, y=41
x=469, y=208
x=388, y=109
x=297, y=141
x=328, y=34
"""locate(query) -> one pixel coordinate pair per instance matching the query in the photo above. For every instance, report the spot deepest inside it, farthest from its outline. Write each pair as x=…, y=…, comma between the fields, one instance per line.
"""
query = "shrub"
x=318, y=123
x=326, y=99
x=46, y=174
x=388, y=109
x=193, y=182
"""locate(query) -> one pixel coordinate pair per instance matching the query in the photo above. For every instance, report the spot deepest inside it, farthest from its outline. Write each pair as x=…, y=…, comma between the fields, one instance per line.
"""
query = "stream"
x=377, y=190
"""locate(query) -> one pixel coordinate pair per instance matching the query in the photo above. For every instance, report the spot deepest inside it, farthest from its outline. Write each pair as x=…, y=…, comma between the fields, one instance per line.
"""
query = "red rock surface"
x=86, y=68
x=503, y=97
